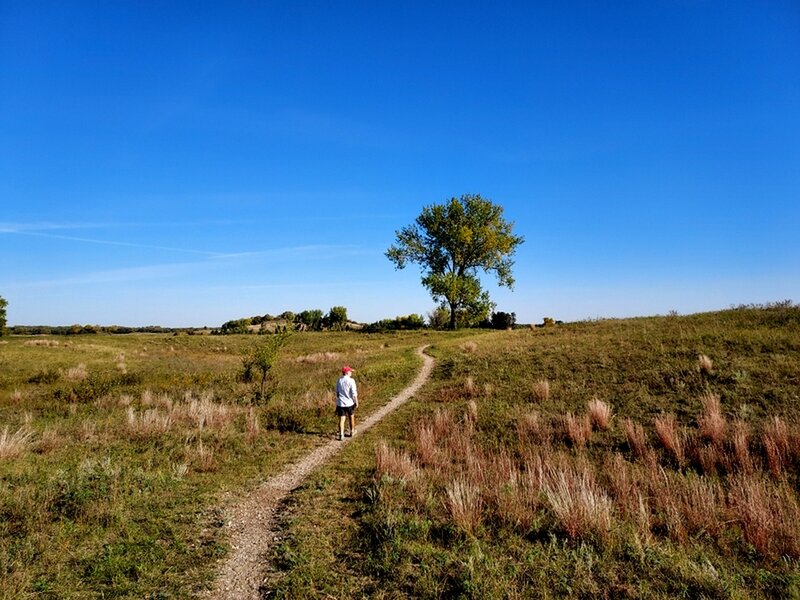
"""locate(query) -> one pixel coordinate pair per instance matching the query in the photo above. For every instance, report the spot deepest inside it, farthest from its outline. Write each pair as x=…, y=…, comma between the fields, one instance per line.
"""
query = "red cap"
x=346, y=369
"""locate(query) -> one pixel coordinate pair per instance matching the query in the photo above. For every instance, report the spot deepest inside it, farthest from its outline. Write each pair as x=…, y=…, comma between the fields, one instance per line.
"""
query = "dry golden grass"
x=599, y=414
x=581, y=508
x=44, y=343
x=318, y=357
x=768, y=515
x=469, y=347
x=470, y=389
x=150, y=423
x=465, y=504
x=705, y=365
x=742, y=458
x=13, y=445
x=396, y=464
x=49, y=441
x=202, y=457
x=78, y=373
x=540, y=390
x=252, y=424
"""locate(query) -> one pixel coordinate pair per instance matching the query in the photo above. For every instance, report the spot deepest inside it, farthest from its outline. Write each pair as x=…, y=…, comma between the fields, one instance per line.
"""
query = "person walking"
x=346, y=401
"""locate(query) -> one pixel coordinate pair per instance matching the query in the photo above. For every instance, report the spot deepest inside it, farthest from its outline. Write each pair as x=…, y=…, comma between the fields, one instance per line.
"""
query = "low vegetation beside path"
x=642, y=458
x=117, y=452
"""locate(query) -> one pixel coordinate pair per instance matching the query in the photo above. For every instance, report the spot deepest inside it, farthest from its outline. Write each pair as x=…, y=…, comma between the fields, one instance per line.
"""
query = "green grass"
x=714, y=528
x=116, y=491
x=117, y=488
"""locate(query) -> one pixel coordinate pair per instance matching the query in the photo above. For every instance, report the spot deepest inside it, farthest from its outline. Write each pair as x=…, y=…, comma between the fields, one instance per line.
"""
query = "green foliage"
x=336, y=318
x=312, y=319
x=236, y=326
x=452, y=243
x=406, y=323
x=262, y=358
x=3, y=305
x=503, y=320
x=439, y=318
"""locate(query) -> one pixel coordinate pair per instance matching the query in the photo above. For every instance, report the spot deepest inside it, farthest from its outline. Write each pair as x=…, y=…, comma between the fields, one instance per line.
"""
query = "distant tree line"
x=94, y=329
x=307, y=320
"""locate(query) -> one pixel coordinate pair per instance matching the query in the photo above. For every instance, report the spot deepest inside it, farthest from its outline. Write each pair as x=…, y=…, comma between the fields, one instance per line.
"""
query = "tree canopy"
x=452, y=242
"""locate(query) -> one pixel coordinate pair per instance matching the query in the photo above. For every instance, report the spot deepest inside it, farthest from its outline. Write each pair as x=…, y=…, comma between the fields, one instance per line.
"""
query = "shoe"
x=340, y=436
x=353, y=432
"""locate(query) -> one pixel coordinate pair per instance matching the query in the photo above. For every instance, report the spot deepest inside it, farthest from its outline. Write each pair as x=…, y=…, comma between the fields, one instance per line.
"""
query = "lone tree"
x=262, y=358
x=3, y=304
x=452, y=242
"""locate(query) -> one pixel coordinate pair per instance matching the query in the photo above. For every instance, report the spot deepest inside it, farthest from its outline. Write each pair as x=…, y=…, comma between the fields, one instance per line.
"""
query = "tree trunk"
x=452, y=316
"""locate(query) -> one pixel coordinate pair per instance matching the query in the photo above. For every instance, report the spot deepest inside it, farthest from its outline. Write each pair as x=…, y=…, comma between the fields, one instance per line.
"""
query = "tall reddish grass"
x=634, y=434
x=776, y=445
x=578, y=429
x=711, y=422
x=670, y=437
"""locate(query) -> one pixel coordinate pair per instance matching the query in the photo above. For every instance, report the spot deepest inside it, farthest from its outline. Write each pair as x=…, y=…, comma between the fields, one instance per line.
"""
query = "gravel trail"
x=251, y=521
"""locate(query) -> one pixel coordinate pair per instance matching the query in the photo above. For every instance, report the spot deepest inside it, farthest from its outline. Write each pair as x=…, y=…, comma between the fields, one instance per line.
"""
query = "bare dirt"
x=251, y=521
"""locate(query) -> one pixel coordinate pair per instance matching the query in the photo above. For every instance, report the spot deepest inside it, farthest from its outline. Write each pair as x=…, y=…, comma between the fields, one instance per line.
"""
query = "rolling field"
x=116, y=452
x=641, y=458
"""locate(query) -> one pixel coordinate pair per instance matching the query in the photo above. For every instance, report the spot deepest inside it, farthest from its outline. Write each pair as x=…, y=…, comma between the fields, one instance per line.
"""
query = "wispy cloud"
x=110, y=276
x=86, y=240
x=215, y=261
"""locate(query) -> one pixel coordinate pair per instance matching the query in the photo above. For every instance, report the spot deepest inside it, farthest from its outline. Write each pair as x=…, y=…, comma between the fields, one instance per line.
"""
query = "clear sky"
x=183, y=164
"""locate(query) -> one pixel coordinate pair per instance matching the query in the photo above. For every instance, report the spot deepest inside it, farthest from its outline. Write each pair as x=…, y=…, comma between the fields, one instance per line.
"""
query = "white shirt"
x=346, y=391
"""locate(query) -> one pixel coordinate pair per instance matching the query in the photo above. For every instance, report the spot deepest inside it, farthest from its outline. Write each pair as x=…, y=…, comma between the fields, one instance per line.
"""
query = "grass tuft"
x=14, y=445
x=540, y=390
x=599, y=414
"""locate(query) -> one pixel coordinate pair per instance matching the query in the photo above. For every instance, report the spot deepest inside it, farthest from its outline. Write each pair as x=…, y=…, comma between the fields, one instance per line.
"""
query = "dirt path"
x=251, y=522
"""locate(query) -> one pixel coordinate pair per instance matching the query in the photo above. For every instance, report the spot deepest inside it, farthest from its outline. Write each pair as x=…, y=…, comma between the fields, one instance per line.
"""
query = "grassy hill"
x=641, y=458
x=651, y=458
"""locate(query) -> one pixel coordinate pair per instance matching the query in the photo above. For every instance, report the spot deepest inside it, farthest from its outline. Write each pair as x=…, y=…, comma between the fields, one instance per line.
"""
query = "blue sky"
x=183, y=164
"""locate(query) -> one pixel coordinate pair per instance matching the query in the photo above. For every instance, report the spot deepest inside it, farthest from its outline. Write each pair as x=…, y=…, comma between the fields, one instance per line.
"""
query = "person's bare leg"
x=352, y=424
x=341, y=427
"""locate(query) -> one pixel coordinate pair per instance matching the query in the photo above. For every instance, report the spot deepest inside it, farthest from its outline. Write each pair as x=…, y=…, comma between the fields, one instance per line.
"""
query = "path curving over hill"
x=251, y=522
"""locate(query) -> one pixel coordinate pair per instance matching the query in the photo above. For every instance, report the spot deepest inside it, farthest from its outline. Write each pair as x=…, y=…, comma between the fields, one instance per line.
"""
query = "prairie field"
x=640, y=458
x=117, y=451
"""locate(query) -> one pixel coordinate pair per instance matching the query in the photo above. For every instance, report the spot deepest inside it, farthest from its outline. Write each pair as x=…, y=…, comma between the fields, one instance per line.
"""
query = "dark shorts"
x=345, y=411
